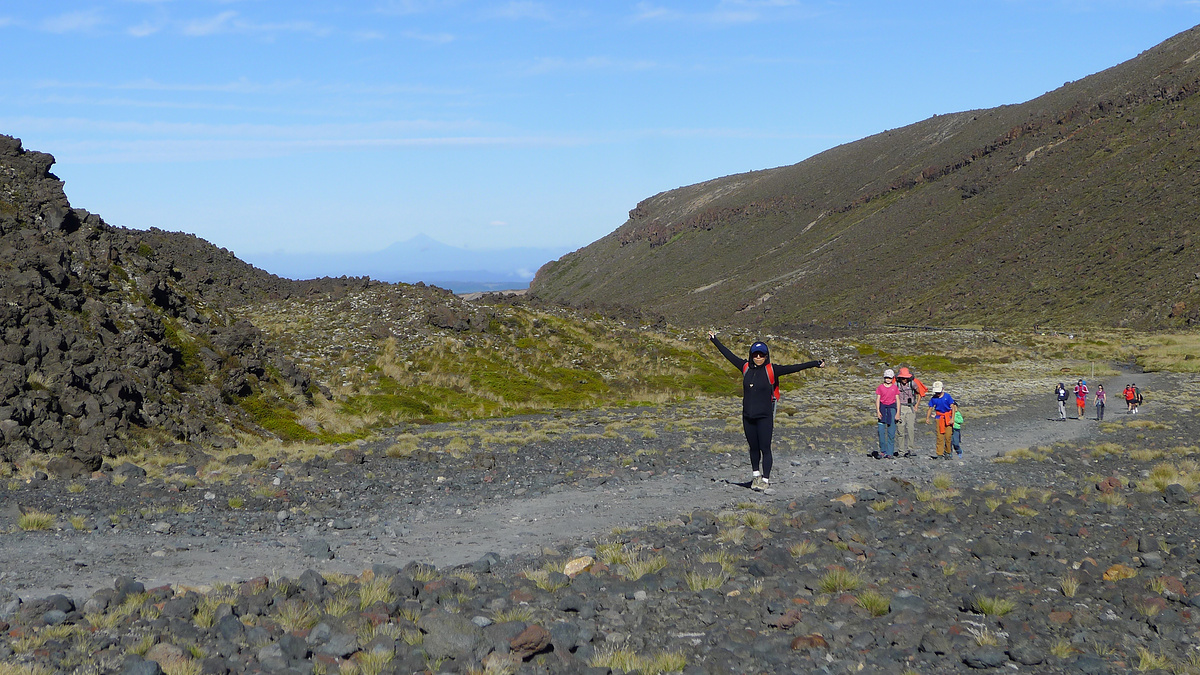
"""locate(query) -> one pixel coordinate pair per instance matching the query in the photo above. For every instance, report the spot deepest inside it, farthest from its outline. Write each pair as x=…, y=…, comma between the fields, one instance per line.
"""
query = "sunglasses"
x=758, y=355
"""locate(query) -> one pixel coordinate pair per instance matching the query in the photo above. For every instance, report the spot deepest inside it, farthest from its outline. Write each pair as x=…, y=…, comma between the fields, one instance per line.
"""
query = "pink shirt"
x=887, y=393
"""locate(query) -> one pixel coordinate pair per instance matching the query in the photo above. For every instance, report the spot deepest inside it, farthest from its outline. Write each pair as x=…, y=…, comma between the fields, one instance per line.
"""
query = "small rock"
x=316, y=548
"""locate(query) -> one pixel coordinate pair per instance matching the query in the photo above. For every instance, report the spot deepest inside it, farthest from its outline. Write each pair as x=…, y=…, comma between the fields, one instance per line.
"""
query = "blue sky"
x=306, y=126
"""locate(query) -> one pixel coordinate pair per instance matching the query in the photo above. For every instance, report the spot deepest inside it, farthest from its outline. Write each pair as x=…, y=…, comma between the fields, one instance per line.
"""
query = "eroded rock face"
x=105, y=329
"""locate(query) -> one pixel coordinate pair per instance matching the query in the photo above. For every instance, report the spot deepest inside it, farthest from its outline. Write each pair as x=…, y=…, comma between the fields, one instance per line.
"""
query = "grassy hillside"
x=380, y=361
x=1075, y=208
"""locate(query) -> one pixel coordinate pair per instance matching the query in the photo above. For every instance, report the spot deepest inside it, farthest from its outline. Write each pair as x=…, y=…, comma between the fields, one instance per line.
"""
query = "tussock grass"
x=338, y=606
x=33, y=520
x=524, y=614
x=727, y=560
x=1062, y=648
x=840, y=580
x=701, y=581
x=372, y=662
x=546, y=580
x=639, y=567
x=295, y=615
x=1149, y=661
x=993, y=606
x=984, y=636
x=180, y=665
x=7, y=668
x=732, y=535
x=802, y=548
x=626, y=660
x=874, y=602
x=1069, y=585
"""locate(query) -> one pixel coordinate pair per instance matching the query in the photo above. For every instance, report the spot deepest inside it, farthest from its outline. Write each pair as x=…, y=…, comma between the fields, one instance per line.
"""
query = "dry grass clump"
x=1165, y=474
x=524, y=614
x=840, y=580
x=1069, y=585
x=627, y=660
x=984, y=636
x=801, y=548
x=702, y=581
x=547, y=579
x=993, y=606
x=639, y=567
x=726, y=559
x=33, y=520
x=295, y=615
x=874, y=602
x=7, y=668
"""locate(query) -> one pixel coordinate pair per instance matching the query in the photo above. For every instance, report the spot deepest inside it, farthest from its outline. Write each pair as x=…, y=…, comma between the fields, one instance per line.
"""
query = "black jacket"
x=756, y=386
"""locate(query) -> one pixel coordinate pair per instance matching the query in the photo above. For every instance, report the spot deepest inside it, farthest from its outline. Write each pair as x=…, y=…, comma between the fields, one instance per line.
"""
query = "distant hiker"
x=760, y=393
x=956, y=434
x=1137, y=397
x=1081, y=392
x=944, y=405
x=1129, y=394
x=1060, y=395
x=1101, y=397
x=911, y=391
x=885, y=412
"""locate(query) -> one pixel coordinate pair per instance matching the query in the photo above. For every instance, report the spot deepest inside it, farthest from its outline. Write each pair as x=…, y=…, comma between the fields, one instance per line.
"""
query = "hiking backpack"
x=770, y=378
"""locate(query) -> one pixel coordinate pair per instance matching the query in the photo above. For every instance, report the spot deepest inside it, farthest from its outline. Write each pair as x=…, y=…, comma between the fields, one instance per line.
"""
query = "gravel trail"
x=444, y=533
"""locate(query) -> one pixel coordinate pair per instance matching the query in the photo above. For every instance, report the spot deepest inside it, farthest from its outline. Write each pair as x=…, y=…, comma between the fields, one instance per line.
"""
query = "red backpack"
x=770, y=378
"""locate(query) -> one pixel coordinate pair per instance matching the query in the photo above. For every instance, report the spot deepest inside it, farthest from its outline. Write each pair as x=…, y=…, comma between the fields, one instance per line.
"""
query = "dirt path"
x=77, y=565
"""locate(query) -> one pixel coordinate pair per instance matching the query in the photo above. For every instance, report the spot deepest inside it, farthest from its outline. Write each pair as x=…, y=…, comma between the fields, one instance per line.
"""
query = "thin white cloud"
x=210, y=26
x=73, y=22
x=6, y=21
x=244, y=86
x=145, y=29
x=435, y=38
x=413, y=7
x=521, y=9
x=725, y=12
x=190, y=150
x=556, y=64
x=386, y=131
x=230, y=21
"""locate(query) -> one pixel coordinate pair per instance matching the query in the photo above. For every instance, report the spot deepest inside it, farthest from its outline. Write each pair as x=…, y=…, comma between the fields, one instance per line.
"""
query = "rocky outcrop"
x=105, y=330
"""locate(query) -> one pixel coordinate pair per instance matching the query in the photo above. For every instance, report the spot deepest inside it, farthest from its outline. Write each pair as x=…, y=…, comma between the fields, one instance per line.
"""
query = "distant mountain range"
x=421, y=258
x=1079, y=207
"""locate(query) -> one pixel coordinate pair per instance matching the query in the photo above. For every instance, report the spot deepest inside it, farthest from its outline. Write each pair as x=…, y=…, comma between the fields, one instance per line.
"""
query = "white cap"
x=938, y=387
x=889, y=373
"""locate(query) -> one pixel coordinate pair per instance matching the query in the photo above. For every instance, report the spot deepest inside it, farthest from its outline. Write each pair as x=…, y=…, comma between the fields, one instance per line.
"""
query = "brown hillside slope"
x=1077, y=207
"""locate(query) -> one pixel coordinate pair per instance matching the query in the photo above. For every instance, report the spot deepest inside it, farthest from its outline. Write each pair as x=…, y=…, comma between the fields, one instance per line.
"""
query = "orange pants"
x=943, y=441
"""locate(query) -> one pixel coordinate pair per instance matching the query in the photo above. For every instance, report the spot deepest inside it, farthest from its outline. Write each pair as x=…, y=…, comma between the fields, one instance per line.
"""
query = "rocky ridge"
x=113, y=339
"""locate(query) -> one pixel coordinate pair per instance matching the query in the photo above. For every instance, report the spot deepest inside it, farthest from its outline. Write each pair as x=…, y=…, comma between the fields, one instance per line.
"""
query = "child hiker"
x=956, y=434
x=944, y=405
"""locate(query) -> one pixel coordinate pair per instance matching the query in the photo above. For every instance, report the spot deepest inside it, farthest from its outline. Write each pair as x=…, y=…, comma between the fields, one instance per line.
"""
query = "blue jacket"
x=942, y=402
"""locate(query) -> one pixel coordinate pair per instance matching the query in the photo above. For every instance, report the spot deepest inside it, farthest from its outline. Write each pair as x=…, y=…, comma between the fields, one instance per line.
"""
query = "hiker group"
x=1132, y=395
x=896, y=402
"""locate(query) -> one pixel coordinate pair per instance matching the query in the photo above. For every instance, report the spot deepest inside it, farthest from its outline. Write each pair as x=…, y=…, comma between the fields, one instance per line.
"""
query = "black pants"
x=758, y=435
